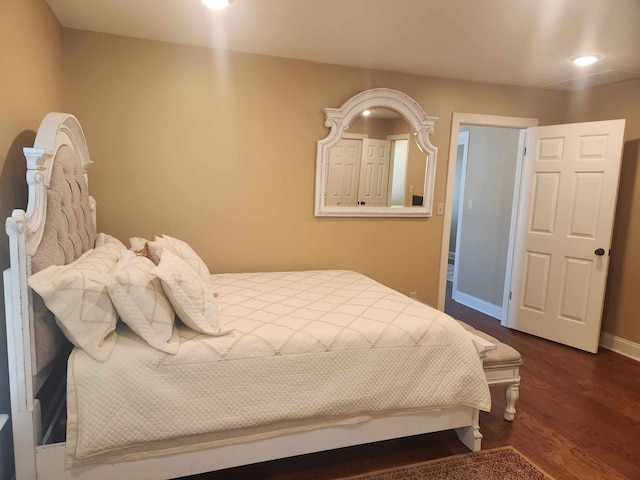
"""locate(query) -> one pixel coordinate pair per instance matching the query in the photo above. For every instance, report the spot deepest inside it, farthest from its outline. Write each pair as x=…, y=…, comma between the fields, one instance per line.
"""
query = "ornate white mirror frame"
x=339, y=119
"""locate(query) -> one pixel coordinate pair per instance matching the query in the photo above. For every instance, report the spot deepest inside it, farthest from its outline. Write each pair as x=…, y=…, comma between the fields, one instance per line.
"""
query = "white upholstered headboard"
x=56, y=228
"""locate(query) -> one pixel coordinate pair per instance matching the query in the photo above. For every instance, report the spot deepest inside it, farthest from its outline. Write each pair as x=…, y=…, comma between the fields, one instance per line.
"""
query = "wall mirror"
x=377, y=159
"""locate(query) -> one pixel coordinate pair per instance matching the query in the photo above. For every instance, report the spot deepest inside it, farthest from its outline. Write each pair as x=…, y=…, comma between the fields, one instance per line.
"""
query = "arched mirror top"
x=405, y=185
x=339, y=119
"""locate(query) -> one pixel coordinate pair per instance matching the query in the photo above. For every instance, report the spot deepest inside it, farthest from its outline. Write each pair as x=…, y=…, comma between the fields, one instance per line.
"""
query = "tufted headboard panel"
x=68, y=232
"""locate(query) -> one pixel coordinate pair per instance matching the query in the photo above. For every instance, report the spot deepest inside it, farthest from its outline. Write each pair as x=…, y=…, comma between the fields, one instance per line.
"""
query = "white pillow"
x=104, y=239
x=140, y=302
x=189, y=295
x=182, y=250
x=82, y=306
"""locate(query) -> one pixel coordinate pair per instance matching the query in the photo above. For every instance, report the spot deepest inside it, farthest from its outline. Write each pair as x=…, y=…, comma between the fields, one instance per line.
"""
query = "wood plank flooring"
x=578, y=417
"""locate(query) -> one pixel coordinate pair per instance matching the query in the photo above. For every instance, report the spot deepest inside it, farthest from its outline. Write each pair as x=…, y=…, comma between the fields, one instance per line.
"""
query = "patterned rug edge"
x=449, y=458
x=543, y=471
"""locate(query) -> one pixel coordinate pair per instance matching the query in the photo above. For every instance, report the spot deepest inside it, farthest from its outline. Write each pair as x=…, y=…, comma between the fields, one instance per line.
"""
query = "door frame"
x=464, y=136
x=480, y=120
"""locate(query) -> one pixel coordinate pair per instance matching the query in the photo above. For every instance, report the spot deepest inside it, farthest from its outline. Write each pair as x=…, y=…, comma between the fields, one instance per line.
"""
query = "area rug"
x=504, y=463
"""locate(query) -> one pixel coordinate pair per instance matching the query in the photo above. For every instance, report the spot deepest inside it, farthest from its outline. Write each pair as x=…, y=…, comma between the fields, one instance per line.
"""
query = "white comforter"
x=307, y=349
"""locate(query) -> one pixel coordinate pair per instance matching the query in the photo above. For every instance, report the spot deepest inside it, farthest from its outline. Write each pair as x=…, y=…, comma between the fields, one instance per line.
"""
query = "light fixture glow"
x=585, y=60
x=366, y=113
x=217, y=4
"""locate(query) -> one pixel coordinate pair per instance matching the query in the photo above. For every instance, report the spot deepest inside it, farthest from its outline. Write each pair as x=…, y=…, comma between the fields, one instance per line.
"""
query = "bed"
x=308, y=361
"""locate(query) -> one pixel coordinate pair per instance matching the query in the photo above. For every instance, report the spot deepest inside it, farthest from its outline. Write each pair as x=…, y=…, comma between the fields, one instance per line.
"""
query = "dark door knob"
x=599, y=252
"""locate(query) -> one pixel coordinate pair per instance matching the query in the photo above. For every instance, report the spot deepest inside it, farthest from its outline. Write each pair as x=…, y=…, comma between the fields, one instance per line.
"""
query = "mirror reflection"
x=376, y=160
x=376, y=163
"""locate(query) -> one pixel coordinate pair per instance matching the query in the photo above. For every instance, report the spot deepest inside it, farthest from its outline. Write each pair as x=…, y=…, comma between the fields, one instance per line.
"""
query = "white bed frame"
x=36, y=458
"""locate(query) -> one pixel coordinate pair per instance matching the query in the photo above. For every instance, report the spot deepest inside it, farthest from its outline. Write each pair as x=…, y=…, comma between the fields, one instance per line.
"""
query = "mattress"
x=306, y=350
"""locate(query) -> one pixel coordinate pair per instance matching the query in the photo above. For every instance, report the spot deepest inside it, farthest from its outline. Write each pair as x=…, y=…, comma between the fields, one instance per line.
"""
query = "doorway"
x=481, y=207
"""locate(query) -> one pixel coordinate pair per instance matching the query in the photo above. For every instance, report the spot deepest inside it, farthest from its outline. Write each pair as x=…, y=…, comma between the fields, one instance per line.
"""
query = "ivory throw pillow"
x=189, y=295
x=137, y=243
x=181, y=249
x=140, y=301
x=82, y=306
x=104, y=239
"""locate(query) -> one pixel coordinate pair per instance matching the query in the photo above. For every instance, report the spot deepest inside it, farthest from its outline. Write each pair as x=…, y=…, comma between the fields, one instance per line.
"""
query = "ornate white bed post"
x=25, y=409
x=471, y=436
x=25, y=230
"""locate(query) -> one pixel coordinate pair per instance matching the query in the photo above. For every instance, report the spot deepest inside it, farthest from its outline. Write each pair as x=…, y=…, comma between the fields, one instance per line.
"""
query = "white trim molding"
x=620, y=345
x=458, y=119
x=478, y=304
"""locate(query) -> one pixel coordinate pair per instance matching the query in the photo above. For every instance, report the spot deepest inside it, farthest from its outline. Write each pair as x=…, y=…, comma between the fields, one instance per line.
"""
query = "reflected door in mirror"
x=374, y=173
x=343, y=169
x=367, y=172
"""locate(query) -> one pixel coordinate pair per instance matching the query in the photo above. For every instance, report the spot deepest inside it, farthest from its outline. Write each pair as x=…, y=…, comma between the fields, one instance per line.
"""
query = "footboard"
x=50, y=458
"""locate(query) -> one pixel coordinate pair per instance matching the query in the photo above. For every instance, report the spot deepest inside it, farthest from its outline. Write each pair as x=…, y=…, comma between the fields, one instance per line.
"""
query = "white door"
x=342, y=173
x=374, y=173
x=569, y=189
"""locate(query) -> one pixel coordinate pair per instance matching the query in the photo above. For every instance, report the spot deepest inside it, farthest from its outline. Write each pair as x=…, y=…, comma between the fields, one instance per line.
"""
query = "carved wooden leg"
x=471, y=435
x=513, y=392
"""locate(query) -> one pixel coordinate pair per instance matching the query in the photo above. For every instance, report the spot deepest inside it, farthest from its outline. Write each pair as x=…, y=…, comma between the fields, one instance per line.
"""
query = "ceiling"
x=514, y=42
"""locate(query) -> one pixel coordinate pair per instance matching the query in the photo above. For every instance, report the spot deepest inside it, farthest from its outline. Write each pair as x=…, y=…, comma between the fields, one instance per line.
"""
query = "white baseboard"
x=478, y=304
x=620, y=345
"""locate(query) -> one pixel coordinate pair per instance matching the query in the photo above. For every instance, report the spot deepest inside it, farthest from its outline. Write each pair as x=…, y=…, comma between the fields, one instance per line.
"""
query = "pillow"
x=138, y=243
x=104, y=239
x=140, y=302
x=189, y=295
x=182, y=250
x=82, y=306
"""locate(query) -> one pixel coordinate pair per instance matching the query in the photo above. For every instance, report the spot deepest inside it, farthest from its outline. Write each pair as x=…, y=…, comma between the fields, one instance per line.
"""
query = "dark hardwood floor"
x=578, y=417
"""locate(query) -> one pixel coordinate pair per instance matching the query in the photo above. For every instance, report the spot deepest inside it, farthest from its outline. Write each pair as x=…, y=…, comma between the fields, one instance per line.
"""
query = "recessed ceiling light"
x=217, y=4
x=366, y=113
x=585, y=60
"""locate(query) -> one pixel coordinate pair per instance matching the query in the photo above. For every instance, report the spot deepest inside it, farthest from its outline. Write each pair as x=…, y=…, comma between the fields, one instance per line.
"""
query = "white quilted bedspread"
x=306, y=349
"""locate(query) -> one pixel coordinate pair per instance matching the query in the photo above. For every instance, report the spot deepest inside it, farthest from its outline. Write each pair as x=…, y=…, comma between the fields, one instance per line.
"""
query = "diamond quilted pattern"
x=140, y=301
x=307, y=349
x=321, y=310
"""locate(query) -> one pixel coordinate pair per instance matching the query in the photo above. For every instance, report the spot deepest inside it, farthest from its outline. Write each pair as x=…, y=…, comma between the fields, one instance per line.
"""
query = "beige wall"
x=219, y=149
x=622, y=301
x=31, y=84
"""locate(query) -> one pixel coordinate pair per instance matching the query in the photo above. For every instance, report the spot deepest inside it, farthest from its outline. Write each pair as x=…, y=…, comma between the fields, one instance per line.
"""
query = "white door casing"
x=569, y=190
x=499, y=309
x=374, y=173
x=481, y=120
x=463, y=140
